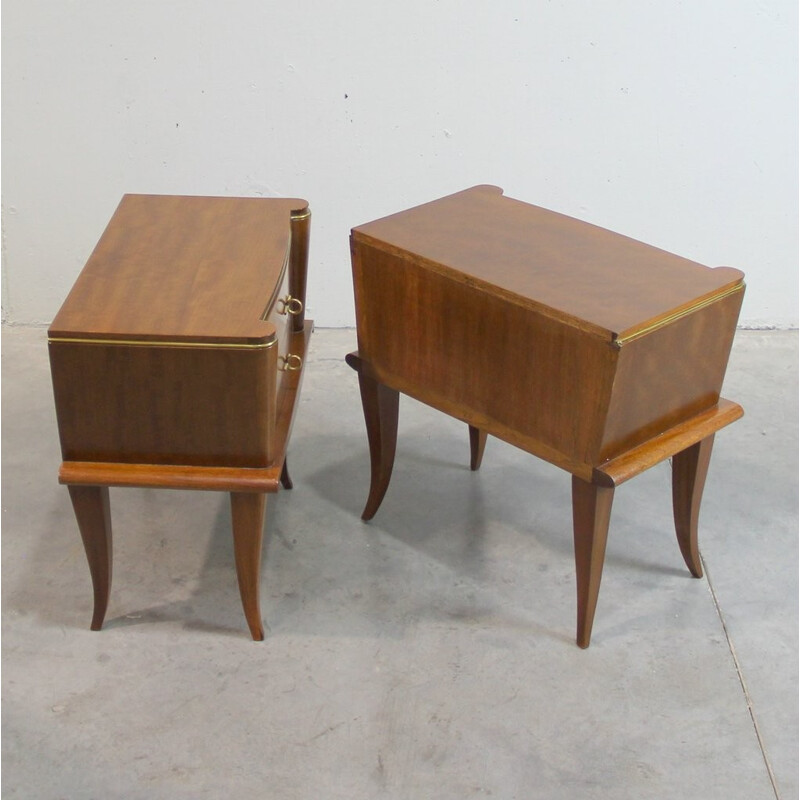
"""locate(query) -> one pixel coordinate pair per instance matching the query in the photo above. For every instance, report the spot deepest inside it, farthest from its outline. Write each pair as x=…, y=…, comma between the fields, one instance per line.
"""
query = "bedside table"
x=177, y=360
x=595, y=352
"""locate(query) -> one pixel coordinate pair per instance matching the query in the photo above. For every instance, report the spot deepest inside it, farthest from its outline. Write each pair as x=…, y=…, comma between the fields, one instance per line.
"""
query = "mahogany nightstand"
x=595, y=352
x=177, y=360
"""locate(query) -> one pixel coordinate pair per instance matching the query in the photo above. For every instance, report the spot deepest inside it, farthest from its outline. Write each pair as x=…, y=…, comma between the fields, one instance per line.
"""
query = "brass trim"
x=677, y=315
x=299, y=216
x=165, y=343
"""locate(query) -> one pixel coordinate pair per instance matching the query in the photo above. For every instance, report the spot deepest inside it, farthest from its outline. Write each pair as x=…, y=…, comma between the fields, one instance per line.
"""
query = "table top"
x=183, y=269
x=592, y=278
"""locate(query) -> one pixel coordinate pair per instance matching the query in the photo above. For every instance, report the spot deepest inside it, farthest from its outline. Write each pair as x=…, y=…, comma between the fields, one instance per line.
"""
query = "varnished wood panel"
x=684, y=435
x=165, y=405
x=298, y=263
x=495, y=364
x=582, y=274
x=225, y=478
x=186, y=268
x=522, y=321
x=670, y=374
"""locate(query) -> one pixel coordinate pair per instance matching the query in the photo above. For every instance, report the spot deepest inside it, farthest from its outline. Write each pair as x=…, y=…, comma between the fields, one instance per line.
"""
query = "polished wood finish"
x=689, y=470
x=177, y=360
x=300, y=226
x=381, y=407
x=477, y=444
x=93, y=512
x=598, y=353
x=247, y=514
x=591, y=512
x=286, y=479
x=675, y=440
x=169, y=426
x=547, y=262
x=183, y=269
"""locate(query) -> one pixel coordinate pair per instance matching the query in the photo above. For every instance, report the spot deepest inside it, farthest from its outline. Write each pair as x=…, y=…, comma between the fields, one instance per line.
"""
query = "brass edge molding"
x=619, y=342
x=165, y=343
x=299, y=216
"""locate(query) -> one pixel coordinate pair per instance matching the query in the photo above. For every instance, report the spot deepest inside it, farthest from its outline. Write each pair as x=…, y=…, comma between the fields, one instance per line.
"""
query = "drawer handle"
x=290, y=363
x=290, y=305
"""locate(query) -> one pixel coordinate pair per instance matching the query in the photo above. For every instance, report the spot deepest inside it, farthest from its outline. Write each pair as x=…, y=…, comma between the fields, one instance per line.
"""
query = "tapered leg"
x=477, y=443
x=381, y=405
x=591, y=512
x=286, y=479
x=93, y=512
x=247, y=513
x=689, y=470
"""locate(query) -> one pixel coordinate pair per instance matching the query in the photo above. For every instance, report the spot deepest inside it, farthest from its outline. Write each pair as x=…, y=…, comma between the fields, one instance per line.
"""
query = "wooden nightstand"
x=177, y=360
x=595, y=352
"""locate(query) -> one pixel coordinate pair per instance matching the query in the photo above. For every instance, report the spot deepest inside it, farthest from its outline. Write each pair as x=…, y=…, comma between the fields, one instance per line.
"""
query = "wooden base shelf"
x=667, y=444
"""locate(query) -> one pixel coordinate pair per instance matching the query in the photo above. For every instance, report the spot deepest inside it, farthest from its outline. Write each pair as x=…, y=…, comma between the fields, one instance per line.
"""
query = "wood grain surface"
x=592, y=278
x=184, y=269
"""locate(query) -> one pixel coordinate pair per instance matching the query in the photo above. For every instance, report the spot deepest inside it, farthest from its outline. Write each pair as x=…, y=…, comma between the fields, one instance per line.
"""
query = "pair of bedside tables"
x=178, y=356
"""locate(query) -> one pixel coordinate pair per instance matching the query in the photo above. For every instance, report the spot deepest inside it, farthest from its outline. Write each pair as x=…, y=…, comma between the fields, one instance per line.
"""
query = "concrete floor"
x=428, y=654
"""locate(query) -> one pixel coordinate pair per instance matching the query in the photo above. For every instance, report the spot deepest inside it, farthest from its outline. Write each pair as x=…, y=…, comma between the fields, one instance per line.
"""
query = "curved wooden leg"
x=689, y=470
x=381, y=406
x=477, y=443
x=93, y=512
x=591, y=512
x=247, y=514
x=286, y=479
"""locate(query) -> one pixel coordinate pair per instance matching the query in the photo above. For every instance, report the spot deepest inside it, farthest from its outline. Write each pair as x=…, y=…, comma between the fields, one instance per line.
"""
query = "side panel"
x=298, y=262
x=165, y=405
x=669, y=375
x=534, y=381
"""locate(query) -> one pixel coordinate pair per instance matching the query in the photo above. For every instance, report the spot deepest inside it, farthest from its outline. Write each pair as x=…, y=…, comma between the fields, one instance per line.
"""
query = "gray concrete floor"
x=428, y=654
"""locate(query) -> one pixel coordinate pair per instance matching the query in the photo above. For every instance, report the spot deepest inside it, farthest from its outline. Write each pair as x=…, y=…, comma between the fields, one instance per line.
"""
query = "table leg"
x=247, y=514
x=286, y=479
x=381, y=406
x=689, y=470
x=93, y=512
x=591, y=512
x=477, y=443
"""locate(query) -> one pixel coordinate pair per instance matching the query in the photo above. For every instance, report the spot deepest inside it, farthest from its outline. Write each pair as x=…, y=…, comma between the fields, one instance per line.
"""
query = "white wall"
x=672, y=122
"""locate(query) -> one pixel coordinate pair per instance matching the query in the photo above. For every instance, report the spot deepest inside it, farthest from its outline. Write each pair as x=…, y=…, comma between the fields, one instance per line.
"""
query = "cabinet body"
x=572, y=342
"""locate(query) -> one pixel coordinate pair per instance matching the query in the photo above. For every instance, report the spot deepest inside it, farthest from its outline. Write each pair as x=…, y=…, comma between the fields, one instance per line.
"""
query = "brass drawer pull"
x=290, y=305
x=290, y=363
